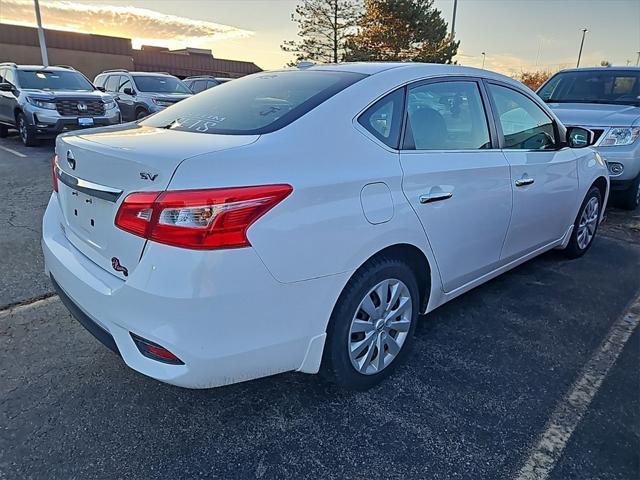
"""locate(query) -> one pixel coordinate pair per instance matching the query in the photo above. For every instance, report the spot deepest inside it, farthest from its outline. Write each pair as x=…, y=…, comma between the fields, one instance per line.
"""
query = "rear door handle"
x=522, y=182
x=435, y=197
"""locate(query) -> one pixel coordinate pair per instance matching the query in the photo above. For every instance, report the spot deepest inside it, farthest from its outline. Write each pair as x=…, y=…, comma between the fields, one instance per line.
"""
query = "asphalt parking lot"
x=532, y=375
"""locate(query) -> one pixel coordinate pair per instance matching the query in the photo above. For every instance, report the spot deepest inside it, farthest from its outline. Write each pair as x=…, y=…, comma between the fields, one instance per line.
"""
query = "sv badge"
x=115, y=263
x=148, y=176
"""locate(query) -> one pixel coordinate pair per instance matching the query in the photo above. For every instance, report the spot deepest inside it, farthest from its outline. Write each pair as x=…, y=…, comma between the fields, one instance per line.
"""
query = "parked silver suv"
x=141, y=93
x=605, y=100
x=41, y=102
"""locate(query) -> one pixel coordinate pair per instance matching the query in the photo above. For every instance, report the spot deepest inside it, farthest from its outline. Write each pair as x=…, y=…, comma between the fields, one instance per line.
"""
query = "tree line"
x=332, y=31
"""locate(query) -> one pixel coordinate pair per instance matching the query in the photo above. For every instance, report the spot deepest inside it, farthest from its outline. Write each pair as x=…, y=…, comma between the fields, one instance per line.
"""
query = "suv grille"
x=597, y=133
x=69, y=107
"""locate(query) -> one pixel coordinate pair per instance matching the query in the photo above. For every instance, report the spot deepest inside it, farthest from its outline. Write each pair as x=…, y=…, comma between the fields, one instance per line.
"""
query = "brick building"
x=91, y=54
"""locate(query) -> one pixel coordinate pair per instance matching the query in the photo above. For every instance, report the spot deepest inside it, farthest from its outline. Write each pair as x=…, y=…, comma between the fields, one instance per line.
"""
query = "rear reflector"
x=199, y=219
x=54, y=161
x=154, y=351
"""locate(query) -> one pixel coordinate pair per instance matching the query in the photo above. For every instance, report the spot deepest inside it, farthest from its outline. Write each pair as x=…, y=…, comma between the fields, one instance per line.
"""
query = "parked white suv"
x=605, y=100
x=302, y=219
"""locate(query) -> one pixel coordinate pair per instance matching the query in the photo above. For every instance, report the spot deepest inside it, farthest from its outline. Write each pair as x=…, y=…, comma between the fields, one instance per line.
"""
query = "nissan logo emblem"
x=71, y=160
x=82, y=107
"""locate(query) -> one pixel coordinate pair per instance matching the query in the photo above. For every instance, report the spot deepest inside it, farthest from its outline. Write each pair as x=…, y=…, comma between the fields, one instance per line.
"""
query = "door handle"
x=435, y=197
x=522, y=182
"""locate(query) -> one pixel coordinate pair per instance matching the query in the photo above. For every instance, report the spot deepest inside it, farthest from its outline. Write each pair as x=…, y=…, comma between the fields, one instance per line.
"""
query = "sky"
x=516, y=35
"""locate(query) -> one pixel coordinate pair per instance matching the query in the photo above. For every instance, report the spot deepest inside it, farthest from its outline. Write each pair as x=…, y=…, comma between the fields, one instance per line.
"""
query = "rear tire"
x=27, y=133
x=630, y=198
x=140, y=114
x=586, y=225
x=387, y=288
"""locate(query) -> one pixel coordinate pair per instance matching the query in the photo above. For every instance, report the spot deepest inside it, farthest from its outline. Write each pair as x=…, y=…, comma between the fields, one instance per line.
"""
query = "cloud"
x=130, y=22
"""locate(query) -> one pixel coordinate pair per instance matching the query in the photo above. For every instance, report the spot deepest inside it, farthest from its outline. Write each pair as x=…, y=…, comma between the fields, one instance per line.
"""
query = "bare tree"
x=323, y=28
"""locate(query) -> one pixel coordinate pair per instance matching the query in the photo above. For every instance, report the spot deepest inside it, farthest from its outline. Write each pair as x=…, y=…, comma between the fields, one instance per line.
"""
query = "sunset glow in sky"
x=515, y=34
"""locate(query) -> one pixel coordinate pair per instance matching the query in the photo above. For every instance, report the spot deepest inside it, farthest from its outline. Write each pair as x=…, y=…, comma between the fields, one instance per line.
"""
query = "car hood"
x=95, y=95
x=171, y=97
x=596, y=115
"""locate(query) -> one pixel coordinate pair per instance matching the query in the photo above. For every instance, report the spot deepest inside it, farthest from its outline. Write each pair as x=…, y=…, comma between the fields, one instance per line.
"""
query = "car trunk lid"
x=98, y=169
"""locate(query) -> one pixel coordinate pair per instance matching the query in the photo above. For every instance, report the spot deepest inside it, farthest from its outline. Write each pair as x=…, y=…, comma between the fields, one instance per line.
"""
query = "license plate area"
x=85, y=121
x=89, y=217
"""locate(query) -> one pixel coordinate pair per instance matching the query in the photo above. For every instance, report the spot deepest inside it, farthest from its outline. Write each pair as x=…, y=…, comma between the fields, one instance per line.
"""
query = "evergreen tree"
x=323, y=28
x=401, y=30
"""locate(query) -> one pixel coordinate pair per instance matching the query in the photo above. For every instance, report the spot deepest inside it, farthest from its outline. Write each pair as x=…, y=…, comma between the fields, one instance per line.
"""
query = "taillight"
x=54, y=161
x=199, y=219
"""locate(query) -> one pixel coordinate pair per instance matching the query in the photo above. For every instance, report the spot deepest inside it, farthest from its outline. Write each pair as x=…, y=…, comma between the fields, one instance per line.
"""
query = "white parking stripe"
x=15, y=152
x=568, y=413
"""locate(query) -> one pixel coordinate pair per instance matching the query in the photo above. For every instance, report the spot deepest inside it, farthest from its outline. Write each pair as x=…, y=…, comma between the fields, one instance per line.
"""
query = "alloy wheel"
x=22, y=129
x=588, y=223
x=380, y=326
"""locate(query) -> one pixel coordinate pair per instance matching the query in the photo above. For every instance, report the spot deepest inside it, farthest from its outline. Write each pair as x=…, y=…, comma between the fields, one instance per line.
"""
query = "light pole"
x=453, y=21
x=584, y=32
x=484, y=55
x=638, y=60
x=43, y=43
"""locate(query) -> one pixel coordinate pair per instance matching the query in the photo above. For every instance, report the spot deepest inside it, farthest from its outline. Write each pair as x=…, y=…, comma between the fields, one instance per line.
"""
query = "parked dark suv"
x=41, y=102
x=201, y=83
x=141, y=93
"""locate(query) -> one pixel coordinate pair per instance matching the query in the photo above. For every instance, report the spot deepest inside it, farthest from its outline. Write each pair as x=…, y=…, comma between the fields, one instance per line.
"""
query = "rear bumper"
x=220, y=312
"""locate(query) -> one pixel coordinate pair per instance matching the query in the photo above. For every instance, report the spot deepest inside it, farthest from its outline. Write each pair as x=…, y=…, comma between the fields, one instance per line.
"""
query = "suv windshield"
x=254, y=105
x=595, y=86
x=56, y=80
x=160, y=84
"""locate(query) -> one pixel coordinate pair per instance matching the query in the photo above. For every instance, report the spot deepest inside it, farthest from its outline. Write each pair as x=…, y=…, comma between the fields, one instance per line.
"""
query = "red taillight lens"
x=54, y=161
x=199, y=219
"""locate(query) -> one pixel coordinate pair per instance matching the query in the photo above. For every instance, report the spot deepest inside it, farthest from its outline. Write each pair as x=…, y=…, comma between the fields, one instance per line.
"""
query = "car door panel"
x=466, y=230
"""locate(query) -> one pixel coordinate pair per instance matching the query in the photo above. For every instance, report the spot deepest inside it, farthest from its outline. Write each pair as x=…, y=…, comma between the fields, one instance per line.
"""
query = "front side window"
x=54, y=80
x=254, y=105
x=112, y=83
x=593, y=86
x=446, y=116
x=525, y=126
x=159, y=84
x=384, y=118
x=126, y=83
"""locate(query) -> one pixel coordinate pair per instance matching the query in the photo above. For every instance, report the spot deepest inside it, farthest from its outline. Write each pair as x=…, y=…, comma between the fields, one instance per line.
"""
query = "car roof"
x=600, y=69
x=419, y=69
x=51, y=68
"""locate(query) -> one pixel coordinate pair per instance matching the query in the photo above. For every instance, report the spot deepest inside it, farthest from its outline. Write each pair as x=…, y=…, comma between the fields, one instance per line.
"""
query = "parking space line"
x=568, y=413
x=15, y=152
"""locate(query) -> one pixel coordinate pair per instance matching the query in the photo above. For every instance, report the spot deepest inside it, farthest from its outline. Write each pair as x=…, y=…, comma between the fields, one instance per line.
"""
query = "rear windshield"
x=595, y=86
x=159, y=84
x=58, y=80
x=254, y=105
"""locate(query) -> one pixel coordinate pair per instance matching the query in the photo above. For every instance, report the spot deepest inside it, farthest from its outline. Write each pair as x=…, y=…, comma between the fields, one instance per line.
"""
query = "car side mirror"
x=128, y=91
x=6, y=87
x=578, y=137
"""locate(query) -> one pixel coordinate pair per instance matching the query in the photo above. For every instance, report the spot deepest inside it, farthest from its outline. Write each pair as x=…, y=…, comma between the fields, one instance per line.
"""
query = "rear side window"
x=383, y=119
x=446, y=116
x=525, y=126
x=99, y=82
x=254, y=105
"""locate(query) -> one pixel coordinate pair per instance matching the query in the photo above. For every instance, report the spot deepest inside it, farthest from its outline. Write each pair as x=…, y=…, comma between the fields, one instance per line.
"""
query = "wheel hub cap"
x=588, y=223
x=380, y=326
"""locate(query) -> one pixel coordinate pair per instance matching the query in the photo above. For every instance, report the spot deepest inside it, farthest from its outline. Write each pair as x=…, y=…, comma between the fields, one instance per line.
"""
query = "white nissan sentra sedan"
x=303, y=219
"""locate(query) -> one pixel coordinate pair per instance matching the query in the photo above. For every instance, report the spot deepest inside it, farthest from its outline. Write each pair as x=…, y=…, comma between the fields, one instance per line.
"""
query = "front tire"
x=630, y=198
x=140, y=114
x=372, y=325
x=586, y=224
x=4, y=131
x=27, y=134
